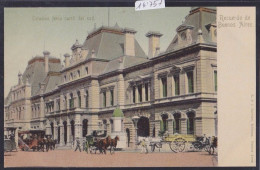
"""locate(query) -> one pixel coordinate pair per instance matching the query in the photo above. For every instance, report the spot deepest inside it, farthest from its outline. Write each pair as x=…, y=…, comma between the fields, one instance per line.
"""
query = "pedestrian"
x=87, y=146
x=83, y=145
x=78, y=144
x=144, y=146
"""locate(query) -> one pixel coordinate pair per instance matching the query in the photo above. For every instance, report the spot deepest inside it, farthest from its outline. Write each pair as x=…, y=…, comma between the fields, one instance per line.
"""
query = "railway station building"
x=109, y=83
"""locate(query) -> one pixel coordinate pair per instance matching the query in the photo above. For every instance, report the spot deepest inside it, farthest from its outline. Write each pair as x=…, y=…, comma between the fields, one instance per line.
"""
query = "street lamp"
x=135, y=120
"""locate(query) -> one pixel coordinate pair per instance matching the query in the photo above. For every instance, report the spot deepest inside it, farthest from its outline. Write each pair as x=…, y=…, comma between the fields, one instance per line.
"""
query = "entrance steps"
x=63, y=147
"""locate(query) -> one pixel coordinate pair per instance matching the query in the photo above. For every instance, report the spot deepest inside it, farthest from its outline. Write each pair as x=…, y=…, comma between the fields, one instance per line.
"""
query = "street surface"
x=69, y=158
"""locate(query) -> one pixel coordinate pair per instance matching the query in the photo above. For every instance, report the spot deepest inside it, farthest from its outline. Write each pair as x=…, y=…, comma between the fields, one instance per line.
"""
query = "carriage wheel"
x=196, y=146
x=112, y=150
x=178, y=145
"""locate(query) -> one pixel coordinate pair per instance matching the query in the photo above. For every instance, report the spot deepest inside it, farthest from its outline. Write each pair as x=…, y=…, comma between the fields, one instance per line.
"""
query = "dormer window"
x=183, y=36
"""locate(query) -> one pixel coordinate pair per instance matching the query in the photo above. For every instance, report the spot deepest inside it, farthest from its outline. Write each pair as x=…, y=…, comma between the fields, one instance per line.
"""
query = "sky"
x=30, y=31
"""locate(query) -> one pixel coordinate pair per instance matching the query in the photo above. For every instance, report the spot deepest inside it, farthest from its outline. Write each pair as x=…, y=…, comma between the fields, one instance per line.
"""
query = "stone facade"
x=175, y=90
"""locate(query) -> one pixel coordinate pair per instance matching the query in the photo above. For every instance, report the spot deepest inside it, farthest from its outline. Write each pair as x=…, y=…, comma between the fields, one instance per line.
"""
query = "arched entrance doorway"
x=72, y=123
x=84, y=127
x=65, y=131
x=164, y=123
x=191, y=123
x=52, y=129
x=143, y=127
x=58, y=134
x=177, y=123
x=128, y=136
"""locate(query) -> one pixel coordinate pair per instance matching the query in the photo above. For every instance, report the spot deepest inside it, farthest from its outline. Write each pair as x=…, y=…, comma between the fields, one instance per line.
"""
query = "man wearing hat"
x=78, y=144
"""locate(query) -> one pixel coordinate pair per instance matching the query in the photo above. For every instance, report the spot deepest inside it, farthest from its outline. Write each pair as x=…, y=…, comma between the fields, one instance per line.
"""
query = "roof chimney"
x=20, y=78
x=67, y=59
x=46, y=60
x=129, y=45
x=154, y=43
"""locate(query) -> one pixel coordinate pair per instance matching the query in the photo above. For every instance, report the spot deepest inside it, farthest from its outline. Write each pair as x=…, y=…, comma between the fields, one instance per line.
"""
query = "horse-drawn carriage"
x=177, y=142
x=35, y=140
x=101, y=143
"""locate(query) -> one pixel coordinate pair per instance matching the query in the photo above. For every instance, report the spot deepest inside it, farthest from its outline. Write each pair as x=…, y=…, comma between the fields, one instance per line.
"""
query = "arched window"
x=84, y=127
x=191, y=123
x=164, y=123
x=177, y=123
x=79, y=99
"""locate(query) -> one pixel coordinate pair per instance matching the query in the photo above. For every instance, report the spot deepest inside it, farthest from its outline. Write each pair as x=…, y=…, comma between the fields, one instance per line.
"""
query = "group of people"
x=85, y=145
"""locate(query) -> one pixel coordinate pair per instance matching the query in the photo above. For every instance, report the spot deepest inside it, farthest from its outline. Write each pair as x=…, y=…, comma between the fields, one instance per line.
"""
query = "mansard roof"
x=123, y=62
x=200, y=18
x=52, y=81
x=35, y=72
x=108, y=43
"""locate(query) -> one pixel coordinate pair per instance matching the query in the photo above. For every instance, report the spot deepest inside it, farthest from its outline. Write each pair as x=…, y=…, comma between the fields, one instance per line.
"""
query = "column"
x=48, y=128
x=16, y=137
x=143, y=92
x=170, y=126
x=136, y=95
x=62, y=102
x=68, y=133
x=76, y=99
x=61, y=133
x=183, y=125
x=157, y=127
x=78, y=126
x=68, y=101
x=55, y=130
x=149, y=91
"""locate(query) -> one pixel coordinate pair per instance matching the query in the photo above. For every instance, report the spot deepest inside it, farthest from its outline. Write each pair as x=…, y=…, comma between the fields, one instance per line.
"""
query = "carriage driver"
x=78, y=144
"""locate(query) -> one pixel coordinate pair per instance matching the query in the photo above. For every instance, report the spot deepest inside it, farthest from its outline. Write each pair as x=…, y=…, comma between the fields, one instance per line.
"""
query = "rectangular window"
x=58, y=104
x=79, y=101
x=146, y=91
x=177, y=84
x=71, y=103
x=104, y=99
x=140, y=93
x=216, y=80
x=112, y=97
x=190, y=82
x=164, y=86
x=86, y=99
x=133, y=94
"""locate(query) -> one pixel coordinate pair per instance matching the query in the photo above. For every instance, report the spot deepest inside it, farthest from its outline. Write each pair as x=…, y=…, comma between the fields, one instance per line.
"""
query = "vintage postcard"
x=130, y=87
